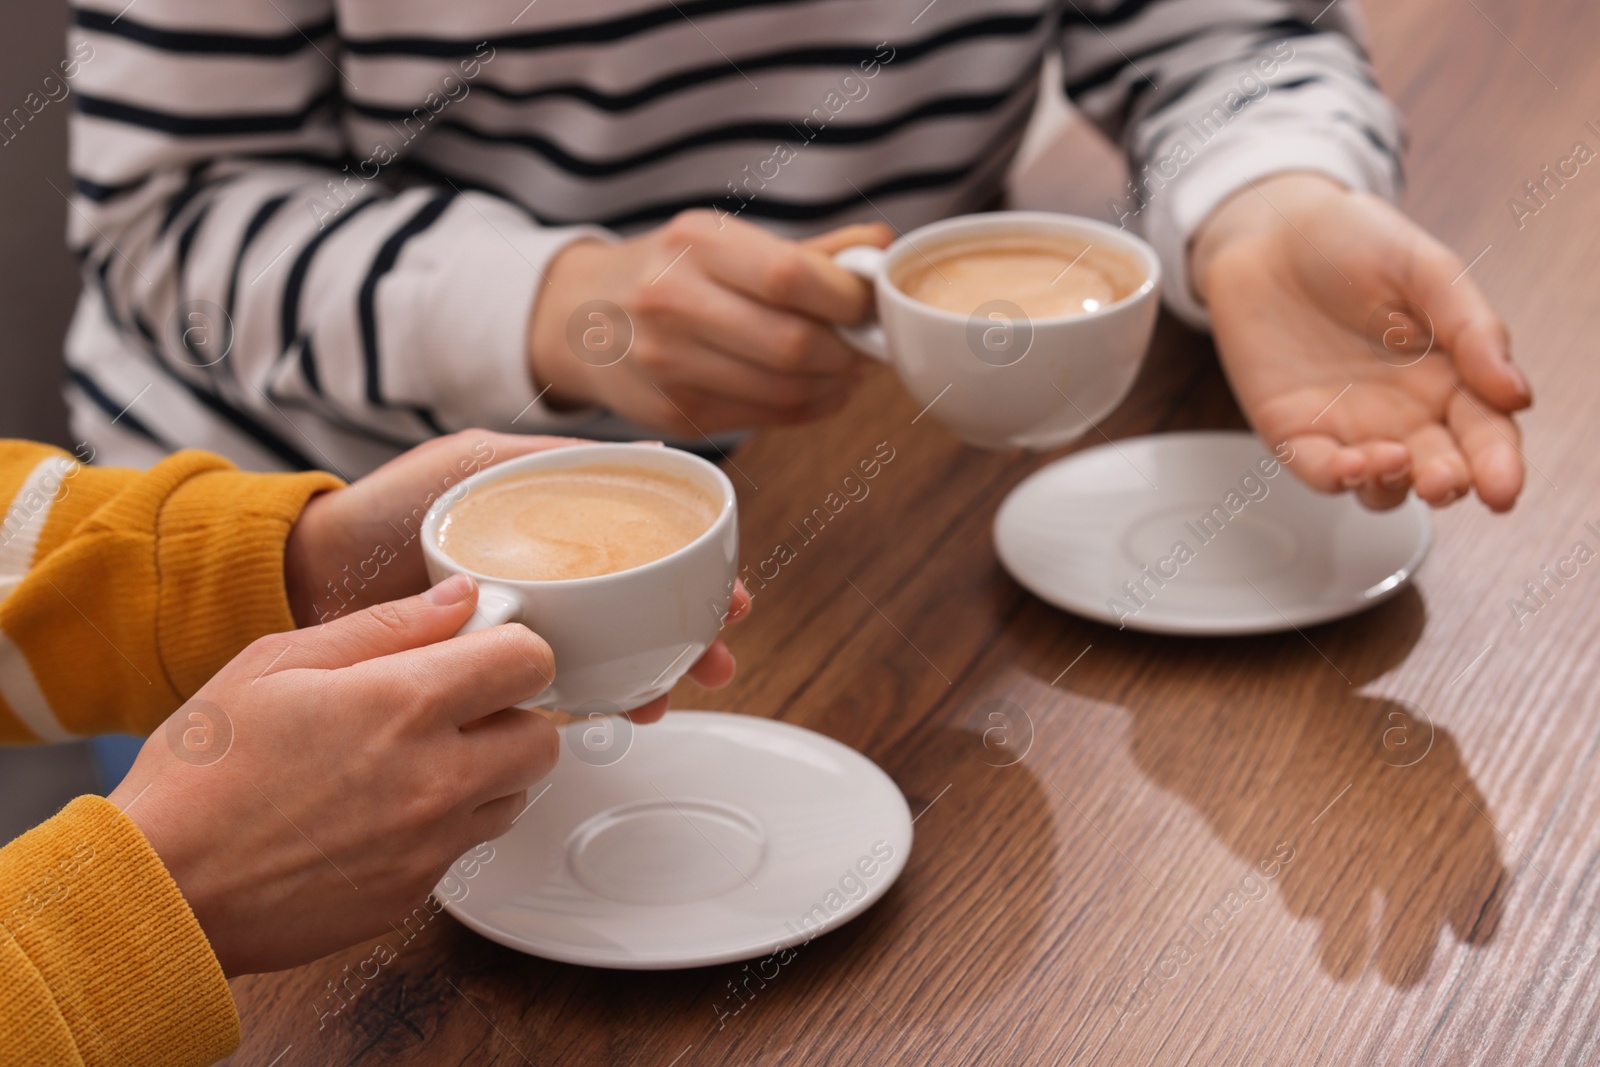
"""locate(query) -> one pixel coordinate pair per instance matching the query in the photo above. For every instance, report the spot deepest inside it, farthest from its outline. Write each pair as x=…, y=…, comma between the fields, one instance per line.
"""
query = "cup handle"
x=865, y=262
x=496, y=604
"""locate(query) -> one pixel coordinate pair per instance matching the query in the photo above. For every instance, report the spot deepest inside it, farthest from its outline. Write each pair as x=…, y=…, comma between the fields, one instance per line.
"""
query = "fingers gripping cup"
x=1015, y=328
x=623, y=558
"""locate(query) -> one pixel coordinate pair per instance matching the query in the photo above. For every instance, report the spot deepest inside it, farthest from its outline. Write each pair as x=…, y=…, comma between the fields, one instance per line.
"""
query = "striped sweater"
x=312, y=231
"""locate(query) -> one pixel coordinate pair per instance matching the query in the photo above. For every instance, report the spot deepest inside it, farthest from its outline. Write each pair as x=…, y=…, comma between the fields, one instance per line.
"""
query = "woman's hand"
x=317, y=788
x=361, y=545
x=703, y=324
x=1309, y=287
x=712, y=670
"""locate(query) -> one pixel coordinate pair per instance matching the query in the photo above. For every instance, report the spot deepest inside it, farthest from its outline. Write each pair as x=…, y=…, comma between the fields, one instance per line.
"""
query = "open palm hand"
x=1354, y=336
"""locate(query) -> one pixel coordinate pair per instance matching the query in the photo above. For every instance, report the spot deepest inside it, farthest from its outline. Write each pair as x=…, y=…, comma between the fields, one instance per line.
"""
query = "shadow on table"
x=1269, y=739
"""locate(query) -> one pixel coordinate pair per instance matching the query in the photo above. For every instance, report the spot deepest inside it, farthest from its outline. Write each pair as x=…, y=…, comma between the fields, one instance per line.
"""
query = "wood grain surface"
x=1178, y=851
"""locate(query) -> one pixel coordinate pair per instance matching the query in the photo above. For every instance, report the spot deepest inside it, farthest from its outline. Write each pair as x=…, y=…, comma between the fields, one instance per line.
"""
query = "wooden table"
x=1104, y=899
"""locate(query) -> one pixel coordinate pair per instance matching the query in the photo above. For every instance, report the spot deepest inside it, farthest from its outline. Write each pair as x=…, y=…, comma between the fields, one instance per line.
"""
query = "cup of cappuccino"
x=1014, y=328
x=622, y=557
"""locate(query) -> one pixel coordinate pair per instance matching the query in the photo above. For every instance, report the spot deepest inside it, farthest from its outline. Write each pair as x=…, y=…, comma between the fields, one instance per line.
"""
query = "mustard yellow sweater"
x=121, y=592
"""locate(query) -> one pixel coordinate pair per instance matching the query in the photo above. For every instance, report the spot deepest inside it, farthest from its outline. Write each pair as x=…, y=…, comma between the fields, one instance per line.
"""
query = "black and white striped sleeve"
x=1208, y=95
x=215, y=192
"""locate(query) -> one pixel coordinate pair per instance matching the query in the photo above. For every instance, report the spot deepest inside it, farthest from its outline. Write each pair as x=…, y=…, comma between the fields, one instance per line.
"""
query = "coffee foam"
x=575, y=522
x=1046, y=275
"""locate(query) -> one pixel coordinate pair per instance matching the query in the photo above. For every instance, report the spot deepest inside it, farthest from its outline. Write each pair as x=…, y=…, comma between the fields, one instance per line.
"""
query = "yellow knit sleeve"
x=101, y=960
x=122, y=591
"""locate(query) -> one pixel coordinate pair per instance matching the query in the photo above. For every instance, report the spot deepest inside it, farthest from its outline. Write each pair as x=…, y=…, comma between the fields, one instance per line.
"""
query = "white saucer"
x=707, y=838
x=1074, y=532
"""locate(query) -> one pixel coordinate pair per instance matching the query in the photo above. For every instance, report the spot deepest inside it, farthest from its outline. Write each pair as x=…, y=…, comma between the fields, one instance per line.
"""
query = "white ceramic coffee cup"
x=996, y=378
x=620, y=639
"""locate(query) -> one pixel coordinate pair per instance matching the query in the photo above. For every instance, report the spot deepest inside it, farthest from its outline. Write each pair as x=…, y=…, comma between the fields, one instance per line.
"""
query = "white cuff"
x=1176, y=212
x=473, y=330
